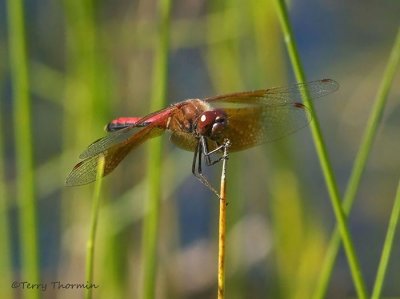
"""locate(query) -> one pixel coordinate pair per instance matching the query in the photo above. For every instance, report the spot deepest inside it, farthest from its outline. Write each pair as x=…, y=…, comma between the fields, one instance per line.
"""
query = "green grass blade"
x=323, y=155
x=5, y=246
x=159, y=88
x=387, y=247
x=90, y=246
x=23, y=145
x=359, y=164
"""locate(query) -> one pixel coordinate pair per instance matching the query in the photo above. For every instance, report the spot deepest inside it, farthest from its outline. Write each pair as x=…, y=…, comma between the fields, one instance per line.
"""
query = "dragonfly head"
x=211, y=123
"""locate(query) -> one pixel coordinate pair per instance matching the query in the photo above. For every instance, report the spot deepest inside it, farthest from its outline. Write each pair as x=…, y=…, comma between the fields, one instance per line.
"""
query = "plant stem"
x=23, y=144
x=160, y=79
x=222, y=230
x=5, y=229
x=359, y=164
x=387, y=247
x=323, y=155
x=90, y=245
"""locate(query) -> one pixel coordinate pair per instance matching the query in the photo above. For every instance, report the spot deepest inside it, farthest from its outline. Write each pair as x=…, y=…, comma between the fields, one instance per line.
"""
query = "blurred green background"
x=91, y=61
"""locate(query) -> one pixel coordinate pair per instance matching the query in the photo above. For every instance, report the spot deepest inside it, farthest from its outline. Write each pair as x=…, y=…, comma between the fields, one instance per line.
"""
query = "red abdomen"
x=123, y=122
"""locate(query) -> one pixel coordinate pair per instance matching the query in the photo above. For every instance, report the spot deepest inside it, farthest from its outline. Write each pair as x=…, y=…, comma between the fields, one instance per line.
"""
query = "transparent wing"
x=261, y=116
x=114, y=148
x=123, y=135
x=248, y=127
x=277, y=96
x=186, y=141
x=85, y=171
x=113, y=138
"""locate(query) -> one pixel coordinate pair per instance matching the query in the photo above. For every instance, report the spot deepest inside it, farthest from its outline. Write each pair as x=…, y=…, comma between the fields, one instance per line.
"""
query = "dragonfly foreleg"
x=207, y=154
x=199, y=153
x=197, y=171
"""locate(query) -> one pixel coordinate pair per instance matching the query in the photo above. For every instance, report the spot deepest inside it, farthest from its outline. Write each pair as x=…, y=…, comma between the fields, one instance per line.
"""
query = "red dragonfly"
x=206, y=126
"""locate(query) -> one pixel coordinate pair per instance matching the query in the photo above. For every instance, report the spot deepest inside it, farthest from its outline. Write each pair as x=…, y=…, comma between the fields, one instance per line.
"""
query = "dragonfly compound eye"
x=220, y=122
x=211, y=123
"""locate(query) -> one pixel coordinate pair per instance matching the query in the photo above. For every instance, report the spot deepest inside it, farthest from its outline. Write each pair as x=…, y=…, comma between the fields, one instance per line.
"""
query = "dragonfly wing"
x=266, y=115
x=114, y=148
x=86, y=171
x=113, y=138
x=184, y=140
x=248, y=127
x=277, y=96
x=123, y=134
x=188, y=141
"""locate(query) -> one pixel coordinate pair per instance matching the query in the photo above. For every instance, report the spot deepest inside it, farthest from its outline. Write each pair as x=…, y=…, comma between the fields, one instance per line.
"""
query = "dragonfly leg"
x=207, y=154
x=197, y=171
x=202, y=150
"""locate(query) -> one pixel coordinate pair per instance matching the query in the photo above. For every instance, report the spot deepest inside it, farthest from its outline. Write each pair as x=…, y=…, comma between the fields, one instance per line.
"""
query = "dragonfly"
x=235, y=121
